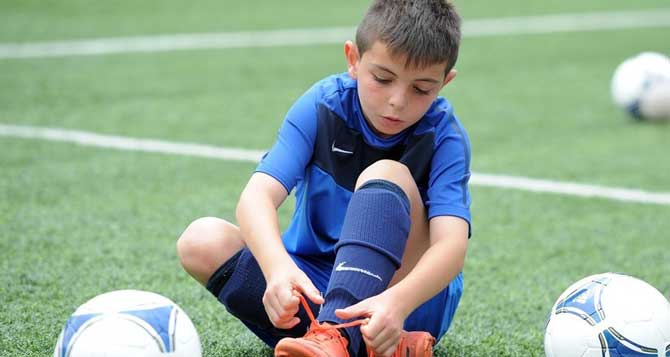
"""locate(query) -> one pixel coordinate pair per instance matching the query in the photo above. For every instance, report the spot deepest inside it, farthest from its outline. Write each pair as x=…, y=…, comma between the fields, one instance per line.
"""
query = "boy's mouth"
x=392, y=119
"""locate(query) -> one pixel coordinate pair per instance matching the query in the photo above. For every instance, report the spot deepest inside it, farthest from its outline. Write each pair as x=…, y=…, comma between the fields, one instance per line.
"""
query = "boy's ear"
x=451, y=75
x=352, y=57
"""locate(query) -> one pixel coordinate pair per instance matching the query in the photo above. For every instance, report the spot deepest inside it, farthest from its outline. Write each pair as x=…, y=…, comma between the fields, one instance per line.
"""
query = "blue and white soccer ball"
x=607, y=315
x=641, y=86
x=128, y=323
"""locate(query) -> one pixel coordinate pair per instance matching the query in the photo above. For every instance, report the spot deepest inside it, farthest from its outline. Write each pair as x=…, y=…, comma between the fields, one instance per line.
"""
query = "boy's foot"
x=320, y=341
x=413, y=344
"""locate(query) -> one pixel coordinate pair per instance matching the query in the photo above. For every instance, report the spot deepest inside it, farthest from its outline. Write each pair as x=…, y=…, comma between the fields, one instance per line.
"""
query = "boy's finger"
x=384, y=340
x=287, y=312
x=292, y=303
x=270, y=305
x=288, y=324
x=312, y=293
x=371, y=331
x=294, y=321
x=353, y=311
x=285, y=297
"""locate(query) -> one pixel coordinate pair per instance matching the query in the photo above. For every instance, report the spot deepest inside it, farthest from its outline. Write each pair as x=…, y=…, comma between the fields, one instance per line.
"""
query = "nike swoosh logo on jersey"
x=334, y=148
x=341, y=267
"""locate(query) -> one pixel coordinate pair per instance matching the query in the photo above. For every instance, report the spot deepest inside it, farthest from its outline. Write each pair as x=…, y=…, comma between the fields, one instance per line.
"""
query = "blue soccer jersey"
x=324, y=144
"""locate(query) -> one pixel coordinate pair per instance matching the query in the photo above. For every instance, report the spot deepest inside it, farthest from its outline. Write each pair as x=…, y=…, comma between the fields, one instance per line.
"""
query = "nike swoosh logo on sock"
x=341, y=267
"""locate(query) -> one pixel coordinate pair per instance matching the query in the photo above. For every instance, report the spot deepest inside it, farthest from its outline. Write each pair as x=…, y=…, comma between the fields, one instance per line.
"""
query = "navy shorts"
x=434, y=316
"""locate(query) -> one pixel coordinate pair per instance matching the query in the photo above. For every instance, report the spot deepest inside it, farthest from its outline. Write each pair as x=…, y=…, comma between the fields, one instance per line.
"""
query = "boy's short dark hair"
x=426, y=31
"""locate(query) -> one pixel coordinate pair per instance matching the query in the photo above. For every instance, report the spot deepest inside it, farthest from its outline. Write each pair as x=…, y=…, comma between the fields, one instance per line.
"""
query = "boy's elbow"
x=461, y=263
x=462, y=250
x=247, y=197
x=457, y=246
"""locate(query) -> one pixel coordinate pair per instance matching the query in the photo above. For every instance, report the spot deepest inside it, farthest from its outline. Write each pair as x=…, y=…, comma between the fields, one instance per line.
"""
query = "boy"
x=381, y=166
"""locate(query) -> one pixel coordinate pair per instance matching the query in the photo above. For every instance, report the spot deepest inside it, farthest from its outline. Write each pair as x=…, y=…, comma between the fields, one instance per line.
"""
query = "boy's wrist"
x=274, y=263
x=404, y=301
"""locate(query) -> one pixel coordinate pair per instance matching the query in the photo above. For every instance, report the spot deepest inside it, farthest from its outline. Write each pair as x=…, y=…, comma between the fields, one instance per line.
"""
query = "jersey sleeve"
x=292, y=151
x=448, y=193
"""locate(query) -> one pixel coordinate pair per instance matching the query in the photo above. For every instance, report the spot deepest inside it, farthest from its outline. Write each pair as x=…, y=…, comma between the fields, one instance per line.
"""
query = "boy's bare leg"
x=418, y=241
x=206, y=244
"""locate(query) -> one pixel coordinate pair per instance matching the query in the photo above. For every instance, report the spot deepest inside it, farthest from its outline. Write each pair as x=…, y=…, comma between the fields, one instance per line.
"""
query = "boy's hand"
x=280, y=301
x=382, y=332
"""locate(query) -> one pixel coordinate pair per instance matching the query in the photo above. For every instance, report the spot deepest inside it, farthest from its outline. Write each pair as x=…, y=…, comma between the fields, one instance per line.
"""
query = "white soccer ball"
x=128, y=323
x=641, y=86
x=609, y=315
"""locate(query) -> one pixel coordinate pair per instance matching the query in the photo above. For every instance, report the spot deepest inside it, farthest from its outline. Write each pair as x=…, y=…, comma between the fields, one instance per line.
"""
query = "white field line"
x=300, y=37
x=130, y=144
x=253, y=156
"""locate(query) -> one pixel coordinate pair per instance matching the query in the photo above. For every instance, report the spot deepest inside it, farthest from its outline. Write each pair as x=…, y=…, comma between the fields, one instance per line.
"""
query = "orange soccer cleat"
x=322, y=340
x=413, y=344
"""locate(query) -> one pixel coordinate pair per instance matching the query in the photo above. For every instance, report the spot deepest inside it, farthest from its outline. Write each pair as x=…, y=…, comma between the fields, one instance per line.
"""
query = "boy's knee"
x=389, y=170
x=193, y=241
x=205, y=244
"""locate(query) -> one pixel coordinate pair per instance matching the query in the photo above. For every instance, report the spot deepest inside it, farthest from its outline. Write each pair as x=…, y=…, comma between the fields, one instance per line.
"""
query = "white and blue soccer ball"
x=128, y=323
x=608, y=315
x=641, y=86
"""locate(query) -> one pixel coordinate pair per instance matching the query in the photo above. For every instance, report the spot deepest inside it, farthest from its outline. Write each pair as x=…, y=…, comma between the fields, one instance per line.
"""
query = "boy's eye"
x=381, y=80
x=421, y=91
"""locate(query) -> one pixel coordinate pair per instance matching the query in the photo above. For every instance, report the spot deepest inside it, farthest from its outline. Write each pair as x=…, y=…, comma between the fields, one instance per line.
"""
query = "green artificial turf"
x=79, y=221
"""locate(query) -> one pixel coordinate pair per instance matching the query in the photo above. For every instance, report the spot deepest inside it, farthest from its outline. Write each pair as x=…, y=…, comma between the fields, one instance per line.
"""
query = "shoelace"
x=316, y=323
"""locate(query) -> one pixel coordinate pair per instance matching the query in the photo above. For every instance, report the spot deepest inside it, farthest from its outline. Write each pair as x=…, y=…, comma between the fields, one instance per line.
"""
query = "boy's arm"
x=259, y=224
x=438, y=266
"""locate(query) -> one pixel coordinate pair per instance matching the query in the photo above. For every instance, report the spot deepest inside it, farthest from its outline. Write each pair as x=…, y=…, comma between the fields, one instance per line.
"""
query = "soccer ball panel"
x=569, y=335
x=637, y=309
x=185, y=336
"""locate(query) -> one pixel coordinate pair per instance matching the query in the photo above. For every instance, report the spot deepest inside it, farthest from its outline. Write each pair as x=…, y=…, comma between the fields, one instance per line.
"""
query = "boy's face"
x=392, y=96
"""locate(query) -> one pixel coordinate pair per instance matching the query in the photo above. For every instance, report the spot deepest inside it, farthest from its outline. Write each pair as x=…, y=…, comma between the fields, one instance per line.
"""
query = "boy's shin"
x=370, y=249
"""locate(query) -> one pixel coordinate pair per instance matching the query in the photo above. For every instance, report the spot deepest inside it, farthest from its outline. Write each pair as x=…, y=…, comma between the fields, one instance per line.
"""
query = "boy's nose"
x=398, y=99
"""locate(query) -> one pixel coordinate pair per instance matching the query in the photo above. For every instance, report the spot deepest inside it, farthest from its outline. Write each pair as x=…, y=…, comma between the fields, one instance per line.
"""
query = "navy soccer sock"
x=239, y=285
x=370, y=249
